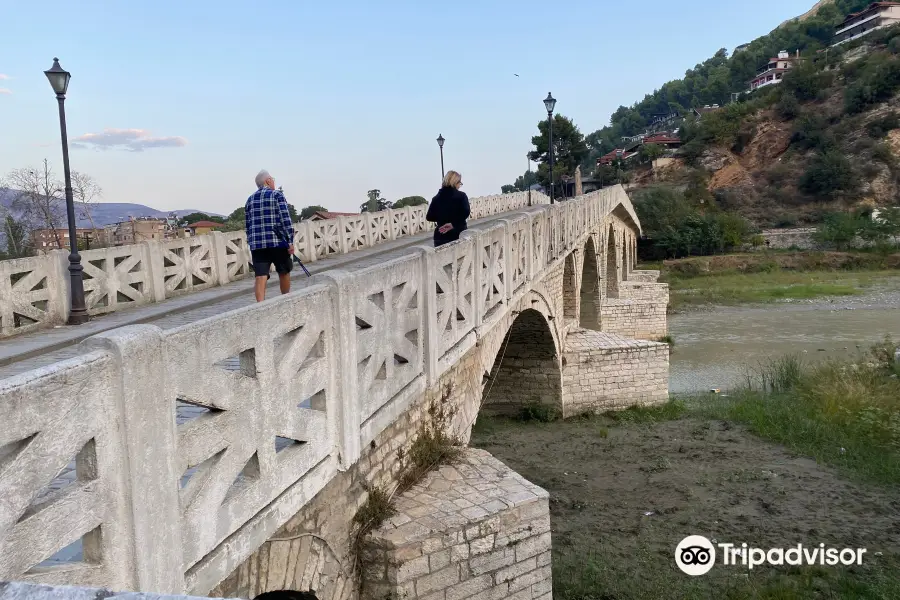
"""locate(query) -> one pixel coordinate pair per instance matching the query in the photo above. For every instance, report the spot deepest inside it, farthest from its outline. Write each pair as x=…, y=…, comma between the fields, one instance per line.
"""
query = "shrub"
x=811, y=132
x=884, y=153
x=879, y=128
x=788, y=107
x=839, y=229
x=829, y=174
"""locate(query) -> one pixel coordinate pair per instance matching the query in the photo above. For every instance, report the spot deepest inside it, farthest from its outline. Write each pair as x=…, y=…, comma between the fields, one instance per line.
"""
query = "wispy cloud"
x=5, y=91
x=134, y=140
x=2, y=77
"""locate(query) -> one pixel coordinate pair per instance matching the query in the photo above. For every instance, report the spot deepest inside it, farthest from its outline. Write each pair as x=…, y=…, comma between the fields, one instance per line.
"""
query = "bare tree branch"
x=85, y=191
x=38, y=198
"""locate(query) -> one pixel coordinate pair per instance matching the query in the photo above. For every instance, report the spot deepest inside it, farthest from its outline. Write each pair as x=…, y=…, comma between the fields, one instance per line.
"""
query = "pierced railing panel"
x=454, y=268
x=27, y=294
x=263, y=375
x=188, y=265
x=493, y=269
x=389, y=330
x=237, y=255
x=62, y=476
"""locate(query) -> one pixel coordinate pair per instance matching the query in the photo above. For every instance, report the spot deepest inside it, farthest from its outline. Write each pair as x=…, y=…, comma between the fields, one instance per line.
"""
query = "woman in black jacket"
x=449, y=210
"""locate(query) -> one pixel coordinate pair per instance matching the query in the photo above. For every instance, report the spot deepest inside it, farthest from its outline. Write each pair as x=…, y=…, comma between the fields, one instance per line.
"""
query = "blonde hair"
x=451, y=179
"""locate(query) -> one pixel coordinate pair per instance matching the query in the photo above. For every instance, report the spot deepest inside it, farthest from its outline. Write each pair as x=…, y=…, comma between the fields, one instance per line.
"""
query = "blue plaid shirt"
x=268, y=220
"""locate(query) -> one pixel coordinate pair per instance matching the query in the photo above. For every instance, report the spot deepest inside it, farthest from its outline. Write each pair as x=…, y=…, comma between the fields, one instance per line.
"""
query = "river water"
x=715, y=348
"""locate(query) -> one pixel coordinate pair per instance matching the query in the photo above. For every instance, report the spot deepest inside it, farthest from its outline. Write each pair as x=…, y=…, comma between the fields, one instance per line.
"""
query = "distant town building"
x=324, y=215
x=45, y=240
x=139, y=230
x=774, y=70
x=876, y=16
x=201, y=227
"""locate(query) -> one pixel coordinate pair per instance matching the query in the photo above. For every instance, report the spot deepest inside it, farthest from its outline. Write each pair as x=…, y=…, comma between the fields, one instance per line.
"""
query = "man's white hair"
x=261, y=178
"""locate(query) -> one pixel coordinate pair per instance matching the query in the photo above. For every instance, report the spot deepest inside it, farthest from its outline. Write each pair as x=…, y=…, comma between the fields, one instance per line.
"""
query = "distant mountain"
x=106, y=213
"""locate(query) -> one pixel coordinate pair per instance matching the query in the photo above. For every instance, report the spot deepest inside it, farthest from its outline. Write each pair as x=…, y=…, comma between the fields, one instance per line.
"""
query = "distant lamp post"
x=440, y=142
x=59, y=81
x=550, y=104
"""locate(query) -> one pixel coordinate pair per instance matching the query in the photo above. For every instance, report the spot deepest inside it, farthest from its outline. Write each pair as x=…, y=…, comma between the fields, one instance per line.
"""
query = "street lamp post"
x=550, y=104
x=59, y=80
x=440, y=142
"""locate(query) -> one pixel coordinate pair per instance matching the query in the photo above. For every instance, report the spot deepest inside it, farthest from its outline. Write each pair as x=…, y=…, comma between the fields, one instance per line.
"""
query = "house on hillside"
x=876, y=16
x=774, y=71
x=611, y=157
x=324, y=215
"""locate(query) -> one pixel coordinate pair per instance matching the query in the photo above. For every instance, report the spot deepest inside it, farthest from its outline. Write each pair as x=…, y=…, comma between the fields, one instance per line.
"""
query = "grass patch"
x=667, y=339
x=842, y=414
x=673, y=409
x=541, y=413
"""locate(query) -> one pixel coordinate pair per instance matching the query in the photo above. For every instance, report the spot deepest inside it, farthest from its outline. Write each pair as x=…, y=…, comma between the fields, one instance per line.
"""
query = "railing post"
x=367, y=236
x=153, y=254
x=58, y=268
x=220, y=257
x=477, y=262
x=342, y=235
x=429, y=292
x=147, y=409
x=347, y=403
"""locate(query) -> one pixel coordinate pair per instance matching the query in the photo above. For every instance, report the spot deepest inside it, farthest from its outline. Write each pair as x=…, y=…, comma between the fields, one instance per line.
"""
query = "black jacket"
x=448, y=206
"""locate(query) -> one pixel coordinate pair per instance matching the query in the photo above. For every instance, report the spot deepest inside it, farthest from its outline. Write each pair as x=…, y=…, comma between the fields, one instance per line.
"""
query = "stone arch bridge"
x=307, y=401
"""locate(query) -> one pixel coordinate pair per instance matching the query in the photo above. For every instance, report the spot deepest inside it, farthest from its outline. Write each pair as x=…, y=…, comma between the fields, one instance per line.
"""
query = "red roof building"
x=774, y=70
x=205, y=225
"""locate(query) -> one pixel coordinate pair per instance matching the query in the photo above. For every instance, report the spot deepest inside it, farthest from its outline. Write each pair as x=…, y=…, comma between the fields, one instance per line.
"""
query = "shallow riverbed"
x=716, y=347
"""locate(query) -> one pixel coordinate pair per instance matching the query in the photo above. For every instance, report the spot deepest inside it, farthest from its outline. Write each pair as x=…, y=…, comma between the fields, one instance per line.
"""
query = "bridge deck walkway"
x=23, y=353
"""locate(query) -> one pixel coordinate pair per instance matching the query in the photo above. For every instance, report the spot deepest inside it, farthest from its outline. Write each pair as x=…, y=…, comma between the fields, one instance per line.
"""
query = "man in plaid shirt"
x=270, y=234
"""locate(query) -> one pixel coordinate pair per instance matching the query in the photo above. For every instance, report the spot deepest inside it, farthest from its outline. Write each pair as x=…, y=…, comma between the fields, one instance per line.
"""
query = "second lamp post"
x=440, y=141
x=550, y=104
x=78, y=314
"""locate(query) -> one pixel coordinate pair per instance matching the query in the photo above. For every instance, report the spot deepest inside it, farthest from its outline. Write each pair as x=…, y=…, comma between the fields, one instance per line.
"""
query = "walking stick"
x=297, y=260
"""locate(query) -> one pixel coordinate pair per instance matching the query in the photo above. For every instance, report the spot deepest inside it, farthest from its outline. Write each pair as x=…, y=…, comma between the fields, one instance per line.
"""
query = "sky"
x=178, y=104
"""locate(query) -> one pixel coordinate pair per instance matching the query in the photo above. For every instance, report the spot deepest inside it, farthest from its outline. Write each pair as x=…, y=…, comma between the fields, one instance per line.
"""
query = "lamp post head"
x=59, y=78
x=549, y=102
x=440, y=140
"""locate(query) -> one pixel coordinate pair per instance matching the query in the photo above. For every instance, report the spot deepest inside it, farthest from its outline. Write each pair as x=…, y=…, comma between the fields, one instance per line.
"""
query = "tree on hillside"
x=375, y=202
x=569, y=149
x=39, y=199
x=311, y=210
x=522, y=183
x=650, y=152
x=714, y=80
x=409, y=201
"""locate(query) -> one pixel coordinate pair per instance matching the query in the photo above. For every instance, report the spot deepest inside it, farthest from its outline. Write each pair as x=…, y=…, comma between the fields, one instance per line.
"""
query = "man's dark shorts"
x=264, y=258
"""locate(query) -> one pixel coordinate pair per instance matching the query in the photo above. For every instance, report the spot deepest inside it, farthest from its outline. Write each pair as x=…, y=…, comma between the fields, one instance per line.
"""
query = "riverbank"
x=766, y=277
x=811, y=455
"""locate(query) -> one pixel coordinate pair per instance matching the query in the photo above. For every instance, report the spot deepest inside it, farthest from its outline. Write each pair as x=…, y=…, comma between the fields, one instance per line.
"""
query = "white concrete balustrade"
x=34, y=291
x=172, y=508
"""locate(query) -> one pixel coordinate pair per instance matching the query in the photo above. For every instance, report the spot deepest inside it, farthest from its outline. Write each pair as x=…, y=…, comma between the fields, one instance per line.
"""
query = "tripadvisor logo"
x=696, y=555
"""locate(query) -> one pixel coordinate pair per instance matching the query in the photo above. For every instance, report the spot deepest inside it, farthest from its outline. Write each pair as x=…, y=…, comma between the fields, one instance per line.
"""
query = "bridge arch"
x=525, y=369
x=612, y=270
x=589, y=314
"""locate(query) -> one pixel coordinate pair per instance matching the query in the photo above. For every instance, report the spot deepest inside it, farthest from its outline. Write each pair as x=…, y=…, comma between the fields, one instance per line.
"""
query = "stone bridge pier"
x=334, y=384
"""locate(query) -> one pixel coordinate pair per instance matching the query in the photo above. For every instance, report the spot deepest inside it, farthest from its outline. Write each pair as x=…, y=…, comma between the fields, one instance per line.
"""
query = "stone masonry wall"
x=311, y=551
x=474, y=530
x=603, y=371
x=644, y=276
x=639, y=319
x=656, y=292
